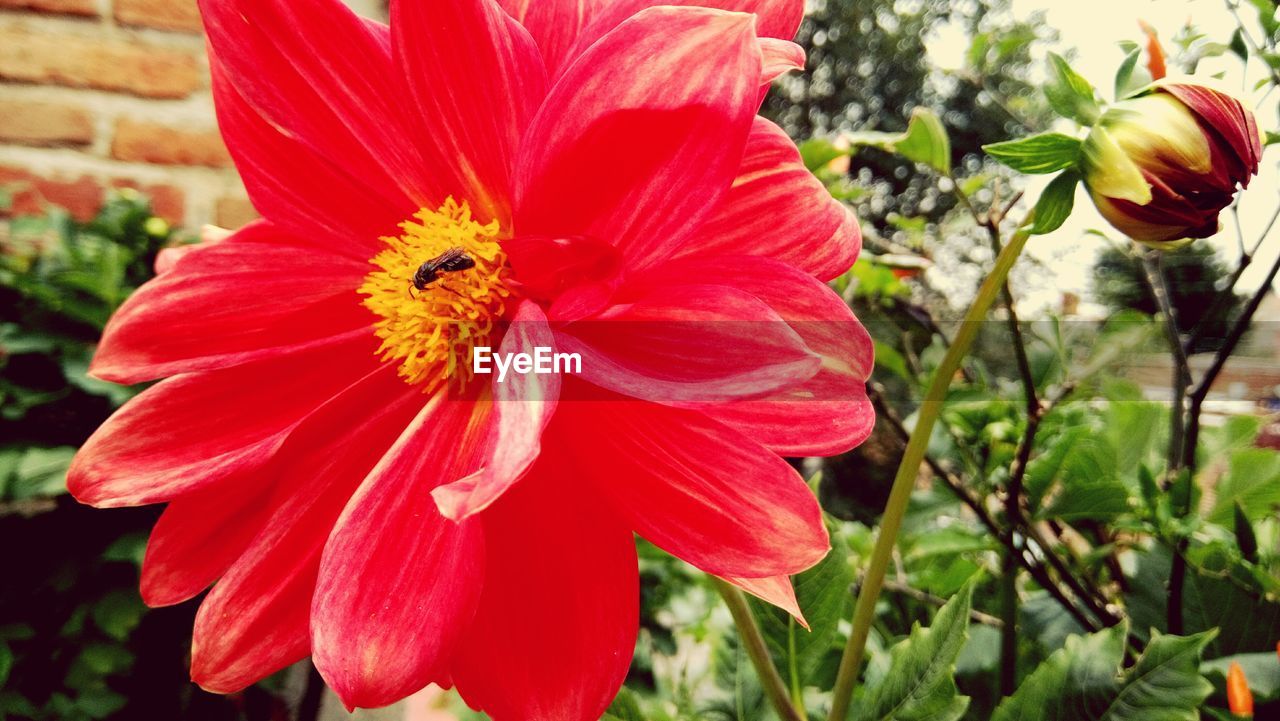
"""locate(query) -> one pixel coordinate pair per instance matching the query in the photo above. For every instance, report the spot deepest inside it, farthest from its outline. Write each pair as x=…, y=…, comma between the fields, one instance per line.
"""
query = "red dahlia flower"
x=327, y=455
x=1161, y=167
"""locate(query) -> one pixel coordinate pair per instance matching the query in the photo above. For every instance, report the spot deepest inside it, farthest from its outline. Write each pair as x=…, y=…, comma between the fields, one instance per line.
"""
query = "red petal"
x=544, y=267
x=556, y=627
x=325, y=77
x=554, y=24
x=198, y=538
x=825, y=415
x=300, y=189
x=690, y=343
x=696, y=488
x=777, y=208
x=197, y=429
x=254, y=295
x=1228, y=117
x=774, y=18
x=522, y=407
x=256, y=619
x=641, y=136
x=477, y=79
x=398, y=583
x=773, y=589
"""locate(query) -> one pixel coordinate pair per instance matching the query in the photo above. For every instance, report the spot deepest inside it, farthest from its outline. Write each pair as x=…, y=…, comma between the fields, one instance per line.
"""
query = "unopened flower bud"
x=1160, y=167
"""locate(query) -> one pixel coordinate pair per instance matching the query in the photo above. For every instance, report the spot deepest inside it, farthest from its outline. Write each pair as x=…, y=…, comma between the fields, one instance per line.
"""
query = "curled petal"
x=823, y=415
x=523, y=404
x=690, y=344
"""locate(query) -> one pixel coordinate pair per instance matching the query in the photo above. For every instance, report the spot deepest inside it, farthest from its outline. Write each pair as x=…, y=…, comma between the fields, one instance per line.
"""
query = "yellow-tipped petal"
x=1110, y=172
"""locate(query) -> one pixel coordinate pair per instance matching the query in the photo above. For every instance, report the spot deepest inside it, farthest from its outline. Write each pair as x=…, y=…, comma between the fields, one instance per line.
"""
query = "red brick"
x=32, y=193
x=143, y=142
x=126, y=66
x=233, y=212
x=86, y=8
x=45, y=124
x=167, y=201
x=181, y=15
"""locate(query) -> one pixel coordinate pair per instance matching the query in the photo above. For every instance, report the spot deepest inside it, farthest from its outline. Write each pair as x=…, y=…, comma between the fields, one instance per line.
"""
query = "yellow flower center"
x=431, y=330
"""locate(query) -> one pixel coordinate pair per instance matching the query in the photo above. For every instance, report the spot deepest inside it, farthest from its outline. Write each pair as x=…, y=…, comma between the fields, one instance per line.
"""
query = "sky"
x=1094, y=28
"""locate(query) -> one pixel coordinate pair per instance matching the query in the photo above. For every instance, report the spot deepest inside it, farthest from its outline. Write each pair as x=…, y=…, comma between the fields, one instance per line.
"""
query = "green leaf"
x=1046, y=467
x=1165, y=684
x=1272, y=137
x=1266, y=15
x=1101, y=499
x=118, y=613
x=1083, y=682
x=817, y=152
x=823, y=595
x=920, y=683
x=625, y=707
x=1055, y=203
x=1131, y=77
x=925, y=141
x=1037, y=154
x=1069, y=94
x=1238, y=46
x=41, y=472
x=1253, y=482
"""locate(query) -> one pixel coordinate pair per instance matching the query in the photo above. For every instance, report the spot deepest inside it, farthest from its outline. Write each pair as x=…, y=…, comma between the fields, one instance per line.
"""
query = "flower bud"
x=1239, y=698
x=1160, y=167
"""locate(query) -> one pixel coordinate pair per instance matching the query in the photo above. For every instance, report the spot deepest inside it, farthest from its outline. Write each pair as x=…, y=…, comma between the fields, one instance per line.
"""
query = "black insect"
x=450, y=261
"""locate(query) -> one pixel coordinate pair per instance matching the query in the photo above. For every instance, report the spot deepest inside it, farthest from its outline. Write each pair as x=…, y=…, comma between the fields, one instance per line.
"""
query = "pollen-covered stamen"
x=432, y=331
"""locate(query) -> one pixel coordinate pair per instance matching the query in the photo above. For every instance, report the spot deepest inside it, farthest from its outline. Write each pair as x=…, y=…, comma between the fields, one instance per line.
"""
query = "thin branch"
x=957, y=486
x=1159, y=287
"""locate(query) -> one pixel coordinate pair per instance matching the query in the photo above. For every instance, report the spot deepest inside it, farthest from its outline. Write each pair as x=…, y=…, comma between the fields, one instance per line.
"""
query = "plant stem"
x=753, y=643
x=891, y=522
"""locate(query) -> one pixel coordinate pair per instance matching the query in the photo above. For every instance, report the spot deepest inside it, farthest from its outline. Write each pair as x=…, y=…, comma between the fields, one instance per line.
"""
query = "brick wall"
x=97, y=94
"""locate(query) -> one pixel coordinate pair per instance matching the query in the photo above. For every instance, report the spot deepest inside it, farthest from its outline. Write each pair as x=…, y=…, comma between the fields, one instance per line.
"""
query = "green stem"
x=753, y=643
x=891, y=522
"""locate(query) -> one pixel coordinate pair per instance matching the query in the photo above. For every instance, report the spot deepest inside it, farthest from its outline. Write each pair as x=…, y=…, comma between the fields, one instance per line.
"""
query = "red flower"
x=326, y=454
x=1162, y=166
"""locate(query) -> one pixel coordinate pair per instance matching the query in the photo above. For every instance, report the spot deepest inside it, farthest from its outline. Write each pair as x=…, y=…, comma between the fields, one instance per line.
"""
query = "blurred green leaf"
x=925, y=141
x=41, y=472
x=1100, y=499
x=920, y=684
x=1131, y=77
x=1253, y=482
x=1037, y=154
x=118, y=613
x=625, y=707
x=1069, y=94
x=1055, y=203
